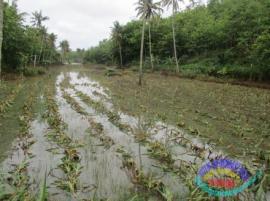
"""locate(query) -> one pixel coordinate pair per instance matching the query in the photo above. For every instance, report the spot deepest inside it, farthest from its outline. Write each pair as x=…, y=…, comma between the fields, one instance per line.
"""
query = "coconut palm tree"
x=156, y=13
x=146, y=10
x=117, y=37
x=38, y=18
x=1, y=34
x=175, y=8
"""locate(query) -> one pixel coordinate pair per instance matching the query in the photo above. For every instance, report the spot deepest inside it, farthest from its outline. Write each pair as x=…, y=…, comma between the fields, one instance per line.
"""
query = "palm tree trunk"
x=1, y=35
x=120, y=54
x=41, y=49
x=174, y=44
x=141, y=55
x=150, y=47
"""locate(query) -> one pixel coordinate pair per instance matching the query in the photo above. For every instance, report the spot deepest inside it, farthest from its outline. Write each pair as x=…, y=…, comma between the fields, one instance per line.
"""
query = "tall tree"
x=117, y=37
x=146, y=10
x=37, y=21
x=64, y=45
x=154, y=10
x=38, y=18
x=1, y=34
x=52, y=39
x=175, y=8
x=43, y=33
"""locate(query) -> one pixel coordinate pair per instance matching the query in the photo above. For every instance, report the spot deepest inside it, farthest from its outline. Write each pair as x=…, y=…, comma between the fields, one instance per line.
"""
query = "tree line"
x=221, y=38
x=26, y=45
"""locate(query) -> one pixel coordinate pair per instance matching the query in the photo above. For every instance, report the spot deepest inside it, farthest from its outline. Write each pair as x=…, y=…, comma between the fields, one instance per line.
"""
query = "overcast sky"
x=82, y=22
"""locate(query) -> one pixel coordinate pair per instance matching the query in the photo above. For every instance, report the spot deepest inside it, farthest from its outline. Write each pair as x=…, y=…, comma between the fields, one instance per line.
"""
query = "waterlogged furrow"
x=103, y=166
x=74, y=105
x=162, y=140
x=93, y=88
x=157, y=142
x=70, y=163
x=146, y=182
x=161, y=155
x=8, y=101
x=113, y=117
x=96, y=129
x=152, y=134
x=156, y=132
x=185, y=161
x=102, y=169
x=127, y=143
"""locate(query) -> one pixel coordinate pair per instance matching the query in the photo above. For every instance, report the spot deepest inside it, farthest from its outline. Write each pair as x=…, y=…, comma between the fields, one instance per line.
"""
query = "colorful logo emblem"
x=224, y=178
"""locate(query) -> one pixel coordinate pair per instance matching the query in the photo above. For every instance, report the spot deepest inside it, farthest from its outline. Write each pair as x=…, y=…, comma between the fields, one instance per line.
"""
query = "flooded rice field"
x=65, y=132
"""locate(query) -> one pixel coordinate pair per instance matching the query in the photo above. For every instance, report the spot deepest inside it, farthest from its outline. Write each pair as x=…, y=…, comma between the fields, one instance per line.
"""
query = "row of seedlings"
x=70, y=162
x=113, y=117
x=18, y=178
x=156, y=149
x=96, y=129
x=144, y=182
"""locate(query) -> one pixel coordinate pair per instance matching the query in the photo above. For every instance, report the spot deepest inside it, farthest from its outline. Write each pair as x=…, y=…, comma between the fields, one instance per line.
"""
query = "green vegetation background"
x=228, y=38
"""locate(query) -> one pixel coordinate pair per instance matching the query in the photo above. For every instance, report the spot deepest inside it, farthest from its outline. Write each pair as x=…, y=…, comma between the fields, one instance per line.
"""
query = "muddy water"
x=158, y=130
x=107, y=167
x=101, y=168
x=102, y=175
x=139, y=153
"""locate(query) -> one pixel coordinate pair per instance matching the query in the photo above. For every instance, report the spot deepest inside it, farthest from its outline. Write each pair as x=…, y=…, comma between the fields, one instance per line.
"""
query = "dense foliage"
x=26, y=45
x=222, y=38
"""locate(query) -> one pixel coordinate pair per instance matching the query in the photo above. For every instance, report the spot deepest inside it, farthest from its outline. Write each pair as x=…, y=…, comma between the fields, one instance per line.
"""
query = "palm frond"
x=146, y=9
x=172, y=3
